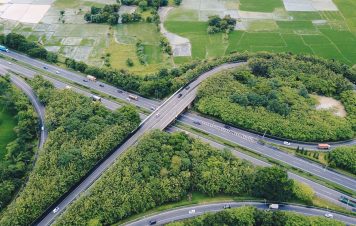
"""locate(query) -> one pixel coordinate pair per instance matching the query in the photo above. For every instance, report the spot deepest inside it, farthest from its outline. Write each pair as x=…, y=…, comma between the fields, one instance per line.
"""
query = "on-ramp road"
x=40, y=109
x=183, y=213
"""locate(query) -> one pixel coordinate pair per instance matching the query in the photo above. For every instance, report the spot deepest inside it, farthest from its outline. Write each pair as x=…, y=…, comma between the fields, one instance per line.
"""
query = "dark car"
x=227, y=206
x=188, y=87
x=227, y=127
x=197, y=122
x=45, y=67
x=85, y=80
x=180, y=95
x=152, y=222
x=119, y=91
x=101, y=85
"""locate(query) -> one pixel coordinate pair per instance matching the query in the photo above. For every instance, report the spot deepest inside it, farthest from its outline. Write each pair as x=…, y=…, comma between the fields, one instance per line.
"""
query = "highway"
x=186, y=212
x=320, y=190
x=165, y=116
x=145, y=103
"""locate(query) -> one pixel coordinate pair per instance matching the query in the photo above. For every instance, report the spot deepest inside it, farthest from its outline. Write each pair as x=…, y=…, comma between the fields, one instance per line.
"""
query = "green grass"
x=260, y=5
x=131, y=33
x=7, y=134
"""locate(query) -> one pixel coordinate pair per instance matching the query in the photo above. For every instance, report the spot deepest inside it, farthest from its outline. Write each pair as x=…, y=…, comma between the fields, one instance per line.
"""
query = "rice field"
x=329, y=34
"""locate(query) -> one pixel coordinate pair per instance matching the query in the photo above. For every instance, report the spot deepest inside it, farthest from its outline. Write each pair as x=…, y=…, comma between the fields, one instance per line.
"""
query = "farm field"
x=329, y=34
x=7, y=134
x=72, y=37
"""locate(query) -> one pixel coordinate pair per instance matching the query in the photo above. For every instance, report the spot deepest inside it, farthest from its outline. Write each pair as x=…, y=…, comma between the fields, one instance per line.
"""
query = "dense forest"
x=252, y=216
x=81, y=132
x=165, y=168
x=276, y=95
x=344, y=157
x=20, y=152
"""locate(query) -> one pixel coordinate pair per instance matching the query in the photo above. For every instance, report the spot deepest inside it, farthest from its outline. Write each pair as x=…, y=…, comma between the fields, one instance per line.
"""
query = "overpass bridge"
x=159, y=119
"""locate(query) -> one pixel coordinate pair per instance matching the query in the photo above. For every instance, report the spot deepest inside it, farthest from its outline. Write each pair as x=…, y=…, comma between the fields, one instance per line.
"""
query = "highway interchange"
x=163, y=116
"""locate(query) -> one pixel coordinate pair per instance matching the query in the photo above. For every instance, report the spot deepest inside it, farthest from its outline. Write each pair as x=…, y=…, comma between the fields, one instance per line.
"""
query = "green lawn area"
x=260, y=5
x=7, y=134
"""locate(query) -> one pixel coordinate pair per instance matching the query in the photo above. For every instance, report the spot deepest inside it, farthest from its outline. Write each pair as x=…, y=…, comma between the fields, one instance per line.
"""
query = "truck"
x=91, y=78
x=323, y=146
x=273, y=206
x=133, y=97
x=4, y=49
x=95, y=98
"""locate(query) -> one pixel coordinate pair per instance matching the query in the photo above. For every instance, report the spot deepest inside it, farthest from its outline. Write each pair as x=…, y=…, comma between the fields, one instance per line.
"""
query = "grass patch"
x=7, y=134
x=260, y=6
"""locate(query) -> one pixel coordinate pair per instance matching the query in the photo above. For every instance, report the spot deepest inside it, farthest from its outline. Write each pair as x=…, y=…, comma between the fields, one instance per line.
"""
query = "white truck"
x=273, y=206
x=91, y=78
x=95, y=98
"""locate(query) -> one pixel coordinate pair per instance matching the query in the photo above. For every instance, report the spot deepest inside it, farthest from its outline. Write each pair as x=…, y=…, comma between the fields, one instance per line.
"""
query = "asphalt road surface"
x=197, y=210
x=145, y=103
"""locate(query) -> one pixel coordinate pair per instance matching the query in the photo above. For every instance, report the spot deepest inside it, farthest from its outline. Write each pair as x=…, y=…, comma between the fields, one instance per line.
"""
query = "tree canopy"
x=81, y=132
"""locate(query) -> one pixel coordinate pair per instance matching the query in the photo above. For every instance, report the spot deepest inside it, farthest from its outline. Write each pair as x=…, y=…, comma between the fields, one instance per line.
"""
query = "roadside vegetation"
x=273, y=96
x=166, y=168
x=344, y=158
x=253, y=216
x=18, y=136
x=81, y=132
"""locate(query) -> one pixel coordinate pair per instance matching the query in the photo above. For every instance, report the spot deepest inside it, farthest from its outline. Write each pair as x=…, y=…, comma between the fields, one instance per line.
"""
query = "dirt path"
x=181, y=46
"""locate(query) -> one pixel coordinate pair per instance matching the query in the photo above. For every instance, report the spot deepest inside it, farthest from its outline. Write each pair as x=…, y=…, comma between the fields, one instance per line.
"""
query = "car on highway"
x=197, y=123
x=188, y=87
x=84, y=80
x=180, y=95
x=329, y=215
x=157, y=115
x=152, y=222
x=286, y=143
x=101, y=85
x=45, y=67
x=57, y=72
x=9, y=63
x=42, y=128
x=227, y=127
x=227, y=206
x=55, y=210
x=191, y=211
x=119, y=91
x=152, y=108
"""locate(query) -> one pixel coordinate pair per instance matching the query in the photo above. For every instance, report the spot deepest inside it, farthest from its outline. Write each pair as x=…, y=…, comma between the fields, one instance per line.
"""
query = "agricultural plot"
x=271, y=27
x=72, y=37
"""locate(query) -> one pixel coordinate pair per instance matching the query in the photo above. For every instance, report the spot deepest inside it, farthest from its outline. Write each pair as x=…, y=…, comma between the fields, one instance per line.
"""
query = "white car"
x=286, y=143
x=329, y=215
x=42, y=128
x=191, y=211
x=56, y=210
x=9, y=63
x=57, y=72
